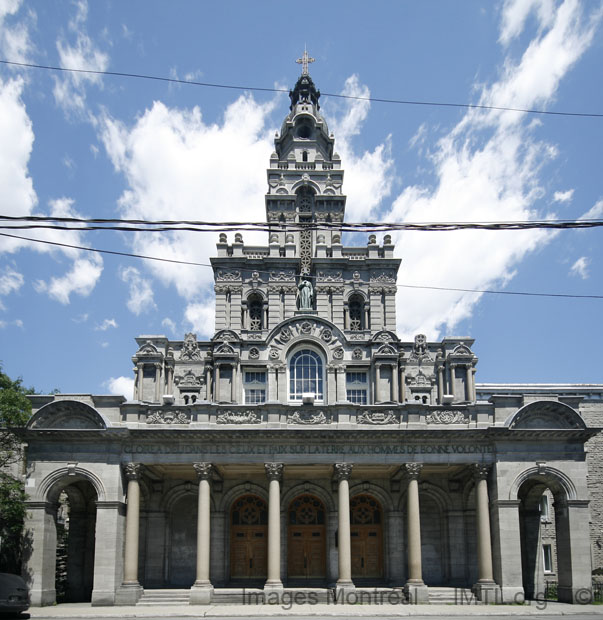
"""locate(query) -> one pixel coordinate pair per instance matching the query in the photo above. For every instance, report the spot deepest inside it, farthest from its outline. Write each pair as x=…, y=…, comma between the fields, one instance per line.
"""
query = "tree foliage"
x=15, y=410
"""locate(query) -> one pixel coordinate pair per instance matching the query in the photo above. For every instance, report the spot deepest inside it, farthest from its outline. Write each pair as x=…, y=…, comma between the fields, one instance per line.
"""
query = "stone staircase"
x=164, y=597
x=452, y=596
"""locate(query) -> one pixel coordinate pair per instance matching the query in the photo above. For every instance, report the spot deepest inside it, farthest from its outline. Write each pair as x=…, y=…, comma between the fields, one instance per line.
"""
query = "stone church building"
x=305, y=445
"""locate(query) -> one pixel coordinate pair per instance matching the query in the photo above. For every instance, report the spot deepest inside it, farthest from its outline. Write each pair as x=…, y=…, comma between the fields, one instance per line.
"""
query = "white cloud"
x=16, y=323
x=121, y=386
x=80, y=279
x=516, y=12
x=70, y=88
x=82, y=318
x=105, y=325
x=580, y=268
x=15, y=42
x=201, y=317
x=488, y=167
x=10, y=281
x=169, y=324
x=594, y=213
x=563, y=196
x=141, y=294
x=16, y=141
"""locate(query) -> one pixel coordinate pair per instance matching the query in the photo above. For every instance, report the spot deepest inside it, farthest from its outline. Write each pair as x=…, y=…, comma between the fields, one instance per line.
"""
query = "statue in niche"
x=305, y=295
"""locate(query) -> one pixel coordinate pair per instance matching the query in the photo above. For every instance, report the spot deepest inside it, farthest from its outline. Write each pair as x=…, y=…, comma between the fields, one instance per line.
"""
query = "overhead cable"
x=284, y=90
x=182, y=262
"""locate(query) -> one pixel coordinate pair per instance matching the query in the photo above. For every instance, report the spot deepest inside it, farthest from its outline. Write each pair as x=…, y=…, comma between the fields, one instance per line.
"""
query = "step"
x=164, y=597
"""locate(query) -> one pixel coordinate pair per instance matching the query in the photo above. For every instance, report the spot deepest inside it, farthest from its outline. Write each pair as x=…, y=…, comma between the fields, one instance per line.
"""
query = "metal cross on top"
x=304, y=61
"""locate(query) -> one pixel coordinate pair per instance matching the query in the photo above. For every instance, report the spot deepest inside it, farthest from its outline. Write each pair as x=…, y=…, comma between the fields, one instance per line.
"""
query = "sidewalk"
x=537, y=608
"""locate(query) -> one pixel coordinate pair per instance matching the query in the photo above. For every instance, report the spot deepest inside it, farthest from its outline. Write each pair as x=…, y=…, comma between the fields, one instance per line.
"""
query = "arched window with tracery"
x=306, y=375
x=255, y=305
x=356, y=313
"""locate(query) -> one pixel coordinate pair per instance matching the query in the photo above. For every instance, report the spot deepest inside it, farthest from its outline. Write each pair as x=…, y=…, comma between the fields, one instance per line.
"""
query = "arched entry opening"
x=366, y=530
x=249, y=538
x=75, y=522
x=538, y=525
x=306, y=552
x=183, y=542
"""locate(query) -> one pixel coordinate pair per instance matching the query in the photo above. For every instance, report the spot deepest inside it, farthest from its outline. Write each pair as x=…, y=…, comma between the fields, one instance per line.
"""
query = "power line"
x=182, y=262
x=139, y=225
x=284, y=90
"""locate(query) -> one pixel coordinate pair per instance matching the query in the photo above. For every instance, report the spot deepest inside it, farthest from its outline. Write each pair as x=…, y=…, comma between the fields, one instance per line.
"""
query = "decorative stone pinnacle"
x=204, y=470
x=343, y=471
x=413, y=470
x=480, y=471
x=304, y=61
x=274, y=471
x=132, y=471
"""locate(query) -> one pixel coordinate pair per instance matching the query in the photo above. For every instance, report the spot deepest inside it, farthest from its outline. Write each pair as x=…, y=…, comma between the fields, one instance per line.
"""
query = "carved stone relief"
x=238, y=417
x=168, y=417
x=308, y=417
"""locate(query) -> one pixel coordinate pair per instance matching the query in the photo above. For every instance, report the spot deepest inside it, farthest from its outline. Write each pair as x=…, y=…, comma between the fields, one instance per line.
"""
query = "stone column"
x=440, y=384
x=272, y=386
x=157, y=382
x=282, y=383
x=402, y=382
x=415, y=588
x=341, y=386
x=472, y=370
x=139, y=377
x=233, y=383
x=202, y=590
x=131, y=590
x=485, y=588
x=343, y=471
x=274, y=473
x=217, y=384
x=208, y=383
x=378, y=388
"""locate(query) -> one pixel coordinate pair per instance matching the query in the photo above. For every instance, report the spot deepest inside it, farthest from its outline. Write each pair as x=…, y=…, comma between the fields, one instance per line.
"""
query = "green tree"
x=15, y=410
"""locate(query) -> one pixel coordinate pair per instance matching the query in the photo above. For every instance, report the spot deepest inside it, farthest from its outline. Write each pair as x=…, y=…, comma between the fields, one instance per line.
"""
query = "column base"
x=273, y=592
x=201, y=593
x=41, y=598
x=102, y=598
x=416, y=592
x=576, y=596
x=343, y=587
x=512, y=594
x=128, y=594
x=487, y=592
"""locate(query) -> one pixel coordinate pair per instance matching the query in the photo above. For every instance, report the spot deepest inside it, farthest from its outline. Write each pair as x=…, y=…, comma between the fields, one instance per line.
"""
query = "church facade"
x=305, y=445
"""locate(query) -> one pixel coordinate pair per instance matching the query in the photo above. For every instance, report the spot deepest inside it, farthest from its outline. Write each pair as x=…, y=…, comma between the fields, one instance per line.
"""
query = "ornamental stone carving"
x=168, y=417
x=480, y=471
x=238, y=417
x=413, y=470
x=338, y=353
x=189, y=380
x=228, y=276
x=306, y=327
x=447, y=417
x=329, y=277
x=385, y=278
x=357, y=354
x=308, y=417
x=378, y=417
x=190, y=348
x=326, y=335
x=274, y=471
x=343, y=471
x=285, y=334
x=274, y=354
x=132, y=471
x=204, y=470
x=254, y=353
x=282, y=276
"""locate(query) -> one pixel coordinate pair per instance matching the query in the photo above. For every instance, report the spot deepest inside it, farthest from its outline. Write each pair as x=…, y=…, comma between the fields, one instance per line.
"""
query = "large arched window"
x=306, y=375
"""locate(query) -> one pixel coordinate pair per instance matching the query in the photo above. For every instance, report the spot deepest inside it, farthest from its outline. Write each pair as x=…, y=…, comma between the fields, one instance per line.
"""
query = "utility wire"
x=182, y=262
x=139, y=225
x=284, y=90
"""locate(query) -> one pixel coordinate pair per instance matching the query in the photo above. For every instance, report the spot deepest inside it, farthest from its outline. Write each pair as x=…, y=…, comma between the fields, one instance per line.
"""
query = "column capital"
x=481, y=471
x=413, y=470
x=204, y=470
x=274, y=471
x=343, y=471
x=132, y=471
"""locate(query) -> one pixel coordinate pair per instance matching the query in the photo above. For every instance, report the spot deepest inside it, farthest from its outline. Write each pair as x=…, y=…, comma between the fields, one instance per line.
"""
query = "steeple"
x=304, y=90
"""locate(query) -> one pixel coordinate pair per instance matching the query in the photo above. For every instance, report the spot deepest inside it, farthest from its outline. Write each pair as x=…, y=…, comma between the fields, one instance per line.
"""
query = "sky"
x=90, y=145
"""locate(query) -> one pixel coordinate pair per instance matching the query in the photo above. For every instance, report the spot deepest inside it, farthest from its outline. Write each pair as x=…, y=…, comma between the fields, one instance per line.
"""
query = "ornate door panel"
x=306, y=550
x=366, y=534
x=249, y=538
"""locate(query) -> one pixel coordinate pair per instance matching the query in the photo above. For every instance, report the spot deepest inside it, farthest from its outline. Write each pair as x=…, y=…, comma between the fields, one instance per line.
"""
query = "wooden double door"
x=366, y=537
x=249, y=538
x=306, y=549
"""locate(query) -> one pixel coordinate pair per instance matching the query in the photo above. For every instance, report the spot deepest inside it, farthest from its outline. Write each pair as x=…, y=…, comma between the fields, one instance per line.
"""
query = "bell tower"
x=305, y=176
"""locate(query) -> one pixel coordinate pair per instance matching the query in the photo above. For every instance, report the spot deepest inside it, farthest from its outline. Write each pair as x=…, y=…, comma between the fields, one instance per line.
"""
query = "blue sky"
x=115, y=147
